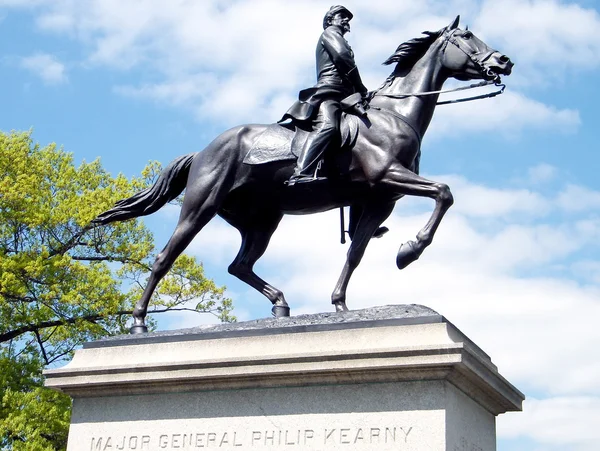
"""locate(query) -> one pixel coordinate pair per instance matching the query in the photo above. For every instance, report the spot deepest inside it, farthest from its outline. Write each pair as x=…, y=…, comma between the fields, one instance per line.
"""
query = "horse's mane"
x=409, y=52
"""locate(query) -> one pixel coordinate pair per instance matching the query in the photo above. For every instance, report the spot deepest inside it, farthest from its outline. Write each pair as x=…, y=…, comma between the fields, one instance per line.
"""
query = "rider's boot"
x=313, y=150
x=326, y=129
x=306, y=168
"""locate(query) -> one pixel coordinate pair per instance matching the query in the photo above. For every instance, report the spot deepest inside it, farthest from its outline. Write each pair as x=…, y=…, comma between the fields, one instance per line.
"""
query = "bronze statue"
x=337, y=78
x=380, y=166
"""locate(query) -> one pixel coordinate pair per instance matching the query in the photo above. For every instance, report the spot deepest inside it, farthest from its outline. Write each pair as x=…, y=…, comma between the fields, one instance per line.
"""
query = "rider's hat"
x=333, y=11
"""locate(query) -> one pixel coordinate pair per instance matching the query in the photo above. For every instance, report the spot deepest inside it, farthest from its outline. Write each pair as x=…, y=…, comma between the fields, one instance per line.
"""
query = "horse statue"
x=378, y=167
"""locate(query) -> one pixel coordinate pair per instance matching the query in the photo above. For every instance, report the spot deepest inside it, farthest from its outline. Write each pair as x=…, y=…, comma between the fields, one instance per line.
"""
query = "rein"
x=409, y=122
x=462, y=88
x=489, y=95
x=478, y=62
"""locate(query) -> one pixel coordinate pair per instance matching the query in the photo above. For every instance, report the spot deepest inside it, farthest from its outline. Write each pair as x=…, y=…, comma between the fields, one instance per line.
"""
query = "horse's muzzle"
x=499, y=64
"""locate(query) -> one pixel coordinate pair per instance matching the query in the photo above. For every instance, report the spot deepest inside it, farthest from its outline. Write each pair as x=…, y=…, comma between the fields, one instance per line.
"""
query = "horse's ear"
x=454, y=24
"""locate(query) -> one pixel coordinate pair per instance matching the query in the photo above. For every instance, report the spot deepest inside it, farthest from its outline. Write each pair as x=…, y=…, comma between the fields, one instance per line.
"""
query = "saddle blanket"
x=278, y=143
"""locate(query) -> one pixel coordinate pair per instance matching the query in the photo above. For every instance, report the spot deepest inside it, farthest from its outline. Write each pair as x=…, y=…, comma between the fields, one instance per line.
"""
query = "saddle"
x=281, y=142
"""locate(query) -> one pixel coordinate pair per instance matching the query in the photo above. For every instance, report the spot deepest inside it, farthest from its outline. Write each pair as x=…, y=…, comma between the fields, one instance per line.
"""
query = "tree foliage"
x=63, y=282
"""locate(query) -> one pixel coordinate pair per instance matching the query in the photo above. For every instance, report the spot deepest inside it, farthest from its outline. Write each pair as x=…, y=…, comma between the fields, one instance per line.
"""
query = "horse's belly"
x=296, y=209
x=303, y=198
x=320, y=196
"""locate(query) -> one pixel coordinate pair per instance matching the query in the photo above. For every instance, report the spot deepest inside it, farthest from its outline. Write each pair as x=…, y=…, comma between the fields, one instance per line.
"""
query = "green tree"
x=63, y=282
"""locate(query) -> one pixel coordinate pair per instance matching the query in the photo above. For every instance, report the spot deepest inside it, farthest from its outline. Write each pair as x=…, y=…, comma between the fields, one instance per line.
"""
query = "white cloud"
x=47, y=67
x=246, y=61
x=56, y=22
x=559, y=423
x=578, y=198
x=477, y=200
x=184, y=319
x=509, y=114
x=544, y=35
x=542, y=173
x=587, y=270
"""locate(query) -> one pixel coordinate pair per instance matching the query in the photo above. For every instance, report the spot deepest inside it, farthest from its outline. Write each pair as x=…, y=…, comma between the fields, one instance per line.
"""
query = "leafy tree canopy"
x=63, y=282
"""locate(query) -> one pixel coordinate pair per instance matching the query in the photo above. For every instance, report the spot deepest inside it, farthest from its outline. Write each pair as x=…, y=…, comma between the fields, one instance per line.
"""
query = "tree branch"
x=41, y=344
x=12, y=298
x=71, y=242
x=105, y=258
x=11, y=334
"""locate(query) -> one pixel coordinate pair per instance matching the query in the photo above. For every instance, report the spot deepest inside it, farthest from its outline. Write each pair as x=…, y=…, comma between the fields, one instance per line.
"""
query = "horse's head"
x=467, y=57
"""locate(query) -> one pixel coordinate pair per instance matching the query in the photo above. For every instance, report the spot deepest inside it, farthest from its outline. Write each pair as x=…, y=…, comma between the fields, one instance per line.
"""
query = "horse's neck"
x=425, y=76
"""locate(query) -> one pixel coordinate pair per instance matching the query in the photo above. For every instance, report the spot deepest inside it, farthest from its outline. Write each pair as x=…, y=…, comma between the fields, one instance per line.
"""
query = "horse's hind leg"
x=201, y=202
x=371, y=218
x=255, y=239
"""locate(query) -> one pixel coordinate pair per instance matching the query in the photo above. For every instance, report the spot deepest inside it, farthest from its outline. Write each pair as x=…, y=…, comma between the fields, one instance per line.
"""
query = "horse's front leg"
x=372, y=216
x=408, y=183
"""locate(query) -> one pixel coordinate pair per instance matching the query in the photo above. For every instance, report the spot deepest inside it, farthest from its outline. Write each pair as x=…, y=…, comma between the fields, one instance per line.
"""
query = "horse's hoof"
x=380, y=232
x=341, y=307
x=280, y=311
x=406, y=255
x=138, y=329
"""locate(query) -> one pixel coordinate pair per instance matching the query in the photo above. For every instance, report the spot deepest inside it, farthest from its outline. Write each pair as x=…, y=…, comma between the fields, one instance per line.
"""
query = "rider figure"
x=337, y=78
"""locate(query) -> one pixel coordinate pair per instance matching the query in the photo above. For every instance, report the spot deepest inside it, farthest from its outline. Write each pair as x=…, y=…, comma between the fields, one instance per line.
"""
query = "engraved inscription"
x=300, y=438
x=347, y=436
x=121, y=443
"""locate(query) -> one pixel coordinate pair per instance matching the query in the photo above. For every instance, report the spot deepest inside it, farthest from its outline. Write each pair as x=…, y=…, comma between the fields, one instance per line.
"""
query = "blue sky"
x=516, y=262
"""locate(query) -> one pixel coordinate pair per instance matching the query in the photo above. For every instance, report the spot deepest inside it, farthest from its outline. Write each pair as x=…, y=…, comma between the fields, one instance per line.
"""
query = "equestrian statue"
x=366, y=157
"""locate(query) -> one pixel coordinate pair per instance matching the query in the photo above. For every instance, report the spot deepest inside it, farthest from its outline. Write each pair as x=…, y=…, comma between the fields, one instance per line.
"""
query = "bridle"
x=478, y=59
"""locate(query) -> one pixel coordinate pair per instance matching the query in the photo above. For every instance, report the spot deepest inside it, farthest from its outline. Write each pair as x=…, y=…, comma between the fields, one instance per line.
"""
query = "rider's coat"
x=337, y=75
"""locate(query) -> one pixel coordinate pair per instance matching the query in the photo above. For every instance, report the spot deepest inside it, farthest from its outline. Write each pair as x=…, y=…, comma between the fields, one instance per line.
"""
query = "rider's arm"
x=341, y=54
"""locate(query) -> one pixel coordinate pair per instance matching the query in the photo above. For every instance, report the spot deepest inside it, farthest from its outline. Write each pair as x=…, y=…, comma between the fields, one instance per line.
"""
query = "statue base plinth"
x=385, y=378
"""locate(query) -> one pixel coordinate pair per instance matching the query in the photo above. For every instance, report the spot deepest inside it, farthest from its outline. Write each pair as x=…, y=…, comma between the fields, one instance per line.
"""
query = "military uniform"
x=337, y=78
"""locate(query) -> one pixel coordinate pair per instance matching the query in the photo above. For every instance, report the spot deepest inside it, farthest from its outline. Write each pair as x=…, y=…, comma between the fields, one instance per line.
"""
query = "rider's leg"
x=325, y=128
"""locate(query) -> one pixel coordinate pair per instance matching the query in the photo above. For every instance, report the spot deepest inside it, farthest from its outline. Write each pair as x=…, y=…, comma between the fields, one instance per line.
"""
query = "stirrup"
x=303, y=179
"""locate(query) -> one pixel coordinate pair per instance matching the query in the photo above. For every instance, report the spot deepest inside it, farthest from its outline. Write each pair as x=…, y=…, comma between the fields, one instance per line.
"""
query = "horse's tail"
x=170, y=184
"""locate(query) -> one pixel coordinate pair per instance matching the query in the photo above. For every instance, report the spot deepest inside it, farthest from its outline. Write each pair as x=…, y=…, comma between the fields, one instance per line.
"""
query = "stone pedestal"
x=387, y=378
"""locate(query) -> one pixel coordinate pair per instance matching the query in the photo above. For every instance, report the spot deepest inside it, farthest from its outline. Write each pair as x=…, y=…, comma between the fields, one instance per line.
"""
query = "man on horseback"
x=217, y=182
x=337, y=78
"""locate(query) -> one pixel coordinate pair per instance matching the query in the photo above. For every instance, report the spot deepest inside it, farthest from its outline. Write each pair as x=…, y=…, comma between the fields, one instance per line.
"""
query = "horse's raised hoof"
x=138, y=329
x=406, y=254
x=280, y=311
